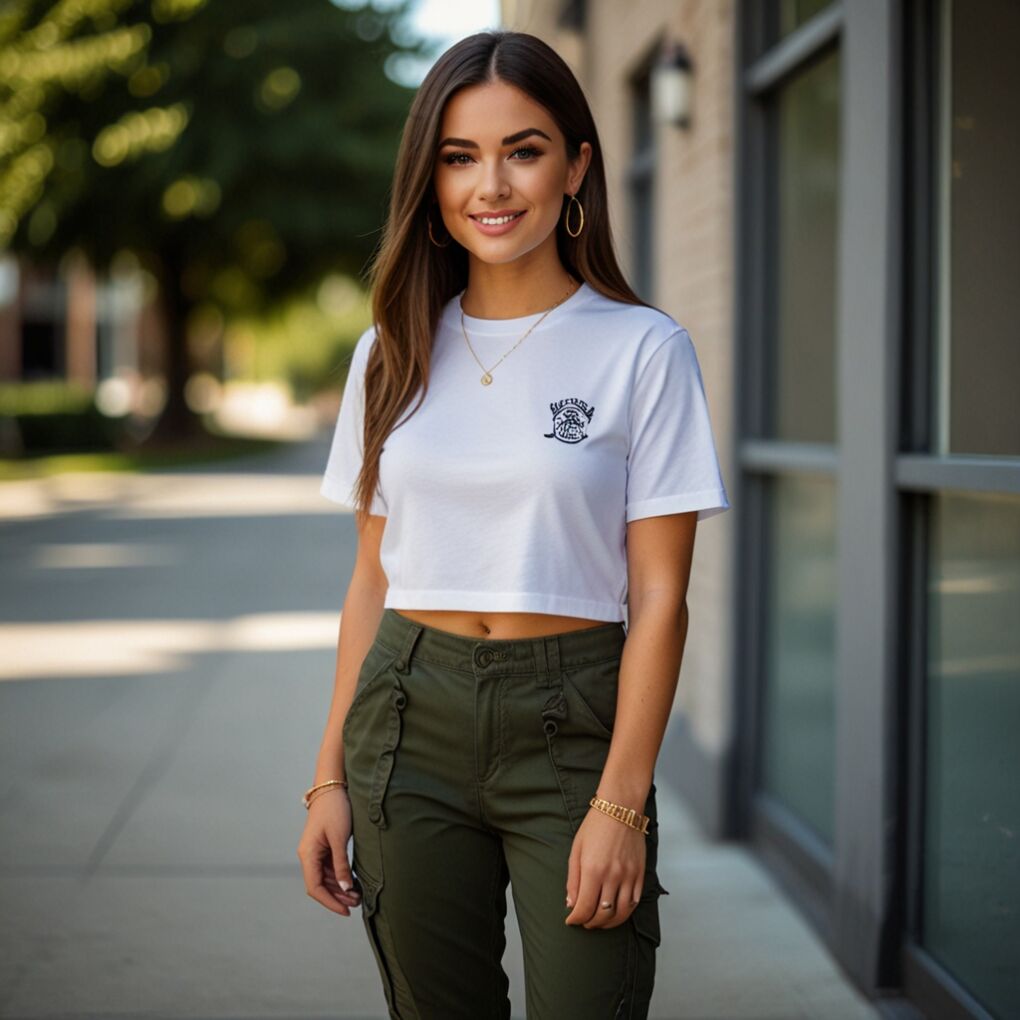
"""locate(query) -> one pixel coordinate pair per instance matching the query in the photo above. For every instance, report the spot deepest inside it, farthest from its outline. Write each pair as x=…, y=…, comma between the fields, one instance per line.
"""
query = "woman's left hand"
x=606, y=864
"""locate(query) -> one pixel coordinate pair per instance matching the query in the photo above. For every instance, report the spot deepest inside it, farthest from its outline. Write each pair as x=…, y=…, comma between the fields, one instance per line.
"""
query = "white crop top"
x=515, y=496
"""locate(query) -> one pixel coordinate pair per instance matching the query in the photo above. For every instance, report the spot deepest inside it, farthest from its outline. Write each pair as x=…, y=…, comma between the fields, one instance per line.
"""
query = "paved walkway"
x=166, y=656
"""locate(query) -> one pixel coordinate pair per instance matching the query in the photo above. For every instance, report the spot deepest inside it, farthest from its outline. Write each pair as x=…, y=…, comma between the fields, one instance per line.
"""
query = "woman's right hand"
x=322, y=851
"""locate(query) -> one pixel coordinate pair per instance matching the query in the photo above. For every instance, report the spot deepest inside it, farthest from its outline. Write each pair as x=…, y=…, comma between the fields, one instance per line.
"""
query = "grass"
x=200, y=450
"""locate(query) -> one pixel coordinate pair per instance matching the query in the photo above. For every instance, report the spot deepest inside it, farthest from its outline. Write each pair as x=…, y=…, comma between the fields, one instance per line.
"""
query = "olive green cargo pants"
x=470, y=763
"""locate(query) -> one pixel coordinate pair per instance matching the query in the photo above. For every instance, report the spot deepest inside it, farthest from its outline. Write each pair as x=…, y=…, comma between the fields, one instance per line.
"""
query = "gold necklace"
x=487, y=372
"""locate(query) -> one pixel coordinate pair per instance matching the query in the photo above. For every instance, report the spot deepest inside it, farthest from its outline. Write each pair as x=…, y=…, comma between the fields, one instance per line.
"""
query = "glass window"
x=793, y=13
x=642, y=187
x=979, y=354
x=972, y=811
x=804, y=398
x=798, y=738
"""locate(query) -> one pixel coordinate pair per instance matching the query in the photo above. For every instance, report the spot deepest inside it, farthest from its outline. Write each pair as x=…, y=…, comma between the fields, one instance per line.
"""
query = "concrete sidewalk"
x=175, y=655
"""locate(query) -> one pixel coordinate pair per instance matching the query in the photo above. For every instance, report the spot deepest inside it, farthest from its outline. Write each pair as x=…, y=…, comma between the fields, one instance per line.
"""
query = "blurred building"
x=823, y=194
x=63, y=322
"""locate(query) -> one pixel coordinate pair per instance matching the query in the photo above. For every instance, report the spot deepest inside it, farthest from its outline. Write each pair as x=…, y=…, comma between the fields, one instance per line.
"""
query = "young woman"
x=528, y=448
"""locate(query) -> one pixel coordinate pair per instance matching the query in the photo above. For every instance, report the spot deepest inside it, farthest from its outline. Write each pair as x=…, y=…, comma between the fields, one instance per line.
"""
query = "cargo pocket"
x=370, y=742
x=646, y=935
x=387, y=754
x=593, y=689
x=645, y=916
x=377, y=938
x=377, y=661
x=578, y=743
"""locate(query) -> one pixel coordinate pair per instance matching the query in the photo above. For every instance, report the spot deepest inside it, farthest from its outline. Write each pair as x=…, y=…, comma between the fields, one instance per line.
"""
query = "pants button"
x=483, y=657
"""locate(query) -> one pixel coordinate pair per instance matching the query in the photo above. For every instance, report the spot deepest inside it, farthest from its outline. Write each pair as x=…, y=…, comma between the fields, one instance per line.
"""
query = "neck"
x=506, y=292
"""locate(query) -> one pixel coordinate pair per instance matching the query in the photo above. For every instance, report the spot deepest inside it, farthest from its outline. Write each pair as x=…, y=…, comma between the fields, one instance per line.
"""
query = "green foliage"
x=44, y=397
x=311, y=376
x=246, y=145
x=56, y=415
x=306, y=341
x=214, y=448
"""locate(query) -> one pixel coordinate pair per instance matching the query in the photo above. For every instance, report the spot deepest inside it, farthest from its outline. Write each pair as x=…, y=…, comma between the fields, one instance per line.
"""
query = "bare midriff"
x=498, y=625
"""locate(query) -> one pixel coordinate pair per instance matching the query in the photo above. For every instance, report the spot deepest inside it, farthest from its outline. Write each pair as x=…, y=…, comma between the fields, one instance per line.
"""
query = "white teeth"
x=490, y=222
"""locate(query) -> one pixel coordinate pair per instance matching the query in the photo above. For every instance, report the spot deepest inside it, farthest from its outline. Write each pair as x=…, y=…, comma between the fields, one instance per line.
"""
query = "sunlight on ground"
x=163, y=494
x=132, y=647
x=91, y=648
x=79, y=555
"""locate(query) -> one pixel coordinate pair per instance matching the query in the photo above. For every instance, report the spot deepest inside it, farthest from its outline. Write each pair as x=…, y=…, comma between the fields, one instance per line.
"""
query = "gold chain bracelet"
x=622, y=814
x=307, y=798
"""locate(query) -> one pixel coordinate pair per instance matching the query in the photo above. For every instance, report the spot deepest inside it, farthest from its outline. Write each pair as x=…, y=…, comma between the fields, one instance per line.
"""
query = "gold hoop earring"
x=428, y=217
x=566, y=218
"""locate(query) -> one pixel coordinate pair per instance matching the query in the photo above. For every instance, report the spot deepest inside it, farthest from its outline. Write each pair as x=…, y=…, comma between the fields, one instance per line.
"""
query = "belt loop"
x=550, y=652
x=541, y=669
x=403, y=660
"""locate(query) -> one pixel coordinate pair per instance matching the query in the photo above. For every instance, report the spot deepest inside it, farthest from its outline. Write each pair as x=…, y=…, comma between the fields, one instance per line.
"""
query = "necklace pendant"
x=486, y=379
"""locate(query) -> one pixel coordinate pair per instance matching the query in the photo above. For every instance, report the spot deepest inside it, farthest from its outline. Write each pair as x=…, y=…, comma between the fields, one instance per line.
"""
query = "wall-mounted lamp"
x=671, y=85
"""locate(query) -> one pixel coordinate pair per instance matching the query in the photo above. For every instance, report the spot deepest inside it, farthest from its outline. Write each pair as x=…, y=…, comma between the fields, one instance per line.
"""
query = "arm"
x=359, y=621
x=659, y=555
x=322, y=849
x=608, y=859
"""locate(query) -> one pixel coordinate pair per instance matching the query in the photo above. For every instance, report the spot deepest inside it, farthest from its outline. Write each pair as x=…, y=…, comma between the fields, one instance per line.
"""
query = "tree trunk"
x=178, y=423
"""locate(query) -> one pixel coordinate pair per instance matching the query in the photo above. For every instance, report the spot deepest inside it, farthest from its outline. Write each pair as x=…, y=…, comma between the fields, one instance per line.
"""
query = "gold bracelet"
x=322, y=793
x=307, y=799
x=622, y=814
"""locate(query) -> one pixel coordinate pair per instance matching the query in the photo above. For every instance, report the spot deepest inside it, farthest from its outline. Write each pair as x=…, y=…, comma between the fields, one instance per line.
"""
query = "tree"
x=240, y=149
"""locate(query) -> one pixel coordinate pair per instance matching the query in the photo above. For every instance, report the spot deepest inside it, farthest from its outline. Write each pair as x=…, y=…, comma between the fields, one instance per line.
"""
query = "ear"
x=578, y=167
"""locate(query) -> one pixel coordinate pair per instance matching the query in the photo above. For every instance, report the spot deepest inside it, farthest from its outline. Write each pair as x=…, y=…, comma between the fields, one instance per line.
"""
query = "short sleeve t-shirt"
x=515, y=496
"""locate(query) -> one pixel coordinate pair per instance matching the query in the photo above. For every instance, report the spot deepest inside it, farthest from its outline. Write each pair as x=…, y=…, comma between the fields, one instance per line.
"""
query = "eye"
x=454, y=158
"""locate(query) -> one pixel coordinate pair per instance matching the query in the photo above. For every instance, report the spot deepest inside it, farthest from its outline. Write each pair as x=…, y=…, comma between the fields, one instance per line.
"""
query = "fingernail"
x=570, y=902
x=345, y=885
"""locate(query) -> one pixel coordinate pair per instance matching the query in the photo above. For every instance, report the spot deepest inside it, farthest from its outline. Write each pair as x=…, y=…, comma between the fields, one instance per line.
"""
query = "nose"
x=493, y=184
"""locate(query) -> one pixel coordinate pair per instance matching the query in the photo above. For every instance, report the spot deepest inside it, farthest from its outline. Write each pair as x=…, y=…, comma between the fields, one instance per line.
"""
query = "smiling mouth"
x=495, y=221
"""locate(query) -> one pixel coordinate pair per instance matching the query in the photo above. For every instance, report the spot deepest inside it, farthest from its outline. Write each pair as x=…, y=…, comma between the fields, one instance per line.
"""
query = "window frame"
x=863, y=896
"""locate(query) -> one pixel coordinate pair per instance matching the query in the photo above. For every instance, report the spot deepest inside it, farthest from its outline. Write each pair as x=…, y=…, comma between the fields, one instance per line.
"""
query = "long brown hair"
x=411, y=278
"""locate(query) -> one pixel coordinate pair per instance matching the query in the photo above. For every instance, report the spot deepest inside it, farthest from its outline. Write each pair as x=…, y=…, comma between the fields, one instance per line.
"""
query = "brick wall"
x=694, y=261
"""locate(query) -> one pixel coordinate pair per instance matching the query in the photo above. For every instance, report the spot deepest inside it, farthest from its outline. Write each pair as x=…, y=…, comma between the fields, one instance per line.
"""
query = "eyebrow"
x=466, y=143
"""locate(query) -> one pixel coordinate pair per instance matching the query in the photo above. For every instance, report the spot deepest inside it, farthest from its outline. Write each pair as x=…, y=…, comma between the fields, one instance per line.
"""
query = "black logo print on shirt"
x=570, y=416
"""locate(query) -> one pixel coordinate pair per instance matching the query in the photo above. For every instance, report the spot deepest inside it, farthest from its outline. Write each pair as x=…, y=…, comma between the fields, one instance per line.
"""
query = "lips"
x=498, y=229
x=515, y=213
